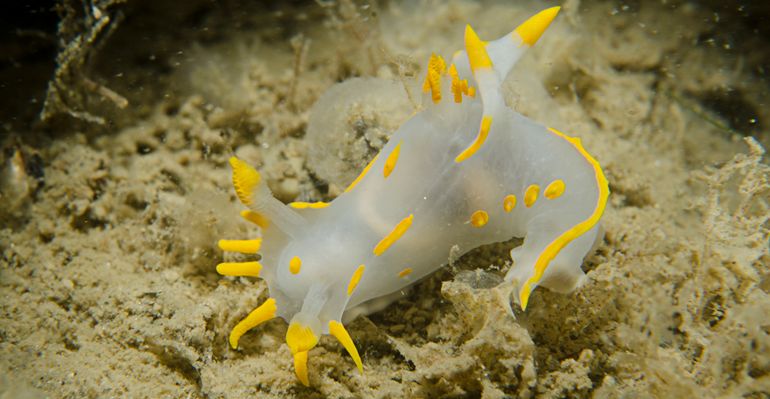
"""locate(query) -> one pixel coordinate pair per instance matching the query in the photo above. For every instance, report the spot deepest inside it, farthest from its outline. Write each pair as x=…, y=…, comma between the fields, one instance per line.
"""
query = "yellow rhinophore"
x=245, y=180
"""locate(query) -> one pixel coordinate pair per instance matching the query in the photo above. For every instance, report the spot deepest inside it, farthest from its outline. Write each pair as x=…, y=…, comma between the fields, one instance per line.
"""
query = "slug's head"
x=300, y=294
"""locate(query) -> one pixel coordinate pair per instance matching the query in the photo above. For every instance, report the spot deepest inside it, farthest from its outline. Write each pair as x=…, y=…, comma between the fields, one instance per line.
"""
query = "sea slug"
x=466, y=171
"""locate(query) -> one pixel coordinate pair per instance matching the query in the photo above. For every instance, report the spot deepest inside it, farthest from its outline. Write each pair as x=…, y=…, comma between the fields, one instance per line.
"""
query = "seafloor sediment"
x=109, y=225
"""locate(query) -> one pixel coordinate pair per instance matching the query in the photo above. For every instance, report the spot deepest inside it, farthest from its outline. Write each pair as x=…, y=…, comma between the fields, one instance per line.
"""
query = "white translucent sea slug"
x=466, y=171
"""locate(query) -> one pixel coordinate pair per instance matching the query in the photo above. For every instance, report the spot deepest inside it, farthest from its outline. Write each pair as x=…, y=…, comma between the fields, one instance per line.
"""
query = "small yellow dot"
x=530, y=196
x=295, y=264
x=479, y=218
x=509, y=202
x=555, y=189
x=405, y=272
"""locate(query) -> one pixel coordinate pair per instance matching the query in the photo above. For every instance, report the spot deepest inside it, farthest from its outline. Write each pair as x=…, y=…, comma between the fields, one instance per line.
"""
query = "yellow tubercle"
x=555, y=189
x=509, y=202
x=403, y=273
x=394, y=235
x=256, y=218
x=239, y=269
x=531, y=30
x=355, y=279
x=242, y=246
x=263, y=313
x=245, y=180
x=479, y=218
x=363, y=173
x=337, y=330
x=486, y=122
x=311, y=205
x=390, y=162
x=476, y=49
x=530, y=195
x=295, y=264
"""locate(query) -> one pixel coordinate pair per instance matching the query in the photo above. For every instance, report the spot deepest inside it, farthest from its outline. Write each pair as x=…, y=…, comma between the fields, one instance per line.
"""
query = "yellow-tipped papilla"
x=263, y=313
x=239, y=269
x=242, y=246
x=531, y=30
x=300, y=339
x=245, y=180
x=477, y=54
x=337, y=330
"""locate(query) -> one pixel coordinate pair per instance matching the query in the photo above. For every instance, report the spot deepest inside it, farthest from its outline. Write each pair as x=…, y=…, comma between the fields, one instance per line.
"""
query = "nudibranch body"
x=466, y=171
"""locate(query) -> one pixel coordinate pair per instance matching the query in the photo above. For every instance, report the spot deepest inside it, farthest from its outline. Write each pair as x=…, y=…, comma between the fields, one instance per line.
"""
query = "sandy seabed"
x=107, y=262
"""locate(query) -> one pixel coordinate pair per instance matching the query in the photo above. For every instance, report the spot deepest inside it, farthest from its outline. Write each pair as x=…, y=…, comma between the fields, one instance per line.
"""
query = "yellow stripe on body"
x=362, y=174
x=355, y=279
x=553, y=249
x=486, y=122
x=394, y=235
x=311, y=205
x=390, y=162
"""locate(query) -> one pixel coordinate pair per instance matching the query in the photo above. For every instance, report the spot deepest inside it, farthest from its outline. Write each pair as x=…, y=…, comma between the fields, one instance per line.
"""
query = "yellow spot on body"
x=530, y=196
x=436, y=67
x=363, y=173
x=295, y=264
x=245, y=180
x=486, y=122
x=300, y=339
x=337, y=330
x=554, y=190
x=477, y=52
x=531, y=30
x=553, y=249
x=390, y=162
x=405, y=272
x=355, y=278
x=311, y=205
x=242, y=246
x=263, y=313
x=479, y=218
x=256, y=218
x=394, y=235
x=239, y=269
x=471, y=92
x=509, y=202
